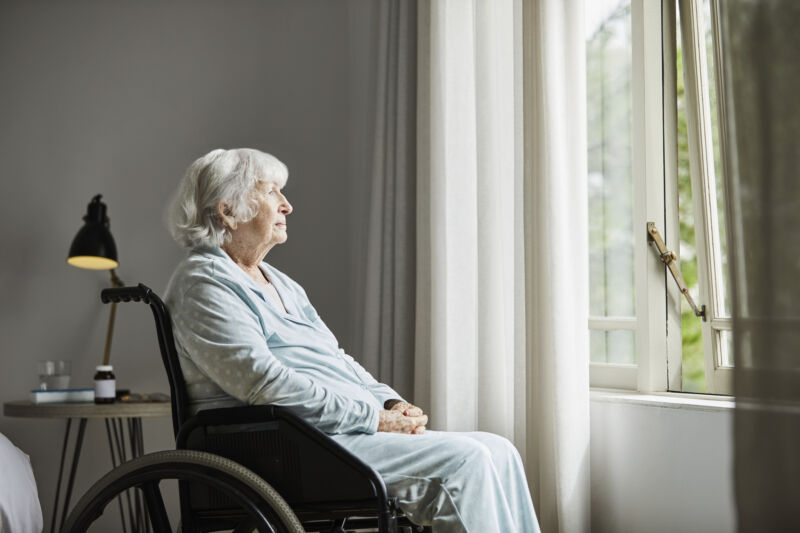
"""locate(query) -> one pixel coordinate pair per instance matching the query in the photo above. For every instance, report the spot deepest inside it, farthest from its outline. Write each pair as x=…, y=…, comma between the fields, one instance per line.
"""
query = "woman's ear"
x=226, y=215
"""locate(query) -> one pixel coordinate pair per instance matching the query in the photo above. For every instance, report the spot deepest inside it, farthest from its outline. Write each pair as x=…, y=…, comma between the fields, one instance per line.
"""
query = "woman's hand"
x=407, y=409
x=394, y=421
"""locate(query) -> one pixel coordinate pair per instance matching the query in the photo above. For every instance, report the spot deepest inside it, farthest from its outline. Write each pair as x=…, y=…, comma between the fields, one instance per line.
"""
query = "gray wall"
x=118, y=98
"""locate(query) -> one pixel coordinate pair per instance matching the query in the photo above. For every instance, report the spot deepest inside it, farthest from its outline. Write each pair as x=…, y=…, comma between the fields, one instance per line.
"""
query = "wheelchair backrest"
x=166, y=343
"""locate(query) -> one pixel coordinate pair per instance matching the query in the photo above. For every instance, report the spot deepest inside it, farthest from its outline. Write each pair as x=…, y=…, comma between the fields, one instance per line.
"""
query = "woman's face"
x=268, y=227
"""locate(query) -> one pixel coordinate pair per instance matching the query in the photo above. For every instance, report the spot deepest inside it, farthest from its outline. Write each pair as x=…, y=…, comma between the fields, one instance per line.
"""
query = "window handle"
x=669, y=258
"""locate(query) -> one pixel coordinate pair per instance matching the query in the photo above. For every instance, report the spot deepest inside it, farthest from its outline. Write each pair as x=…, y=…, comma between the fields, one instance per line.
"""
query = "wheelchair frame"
x=327, y=487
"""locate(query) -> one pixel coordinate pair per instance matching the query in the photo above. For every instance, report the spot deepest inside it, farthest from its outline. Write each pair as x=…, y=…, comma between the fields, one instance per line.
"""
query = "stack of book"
x=62, y=396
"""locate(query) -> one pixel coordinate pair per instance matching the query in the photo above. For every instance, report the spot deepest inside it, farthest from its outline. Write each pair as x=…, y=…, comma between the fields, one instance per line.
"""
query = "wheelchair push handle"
x=139, y=293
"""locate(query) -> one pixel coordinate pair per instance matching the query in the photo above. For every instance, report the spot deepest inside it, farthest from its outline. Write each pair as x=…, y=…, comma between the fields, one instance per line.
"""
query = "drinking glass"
x=53, y=375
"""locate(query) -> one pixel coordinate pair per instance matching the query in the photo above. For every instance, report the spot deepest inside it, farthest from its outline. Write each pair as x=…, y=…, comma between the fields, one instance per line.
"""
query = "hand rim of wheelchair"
x=266, y=509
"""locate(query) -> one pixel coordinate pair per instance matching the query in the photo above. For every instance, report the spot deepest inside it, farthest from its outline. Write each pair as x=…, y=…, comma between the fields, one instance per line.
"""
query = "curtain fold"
x=556, y=262
x=387, y=324
x=466, y=313
x=502, y=295
x=760, y=47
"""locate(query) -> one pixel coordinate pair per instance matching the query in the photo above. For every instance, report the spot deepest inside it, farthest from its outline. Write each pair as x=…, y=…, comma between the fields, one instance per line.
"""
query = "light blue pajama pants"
x=454, y=482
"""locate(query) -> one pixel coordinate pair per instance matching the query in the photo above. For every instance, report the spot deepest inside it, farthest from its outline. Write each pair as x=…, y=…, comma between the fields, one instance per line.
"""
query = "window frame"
x=658, y=349
x=649, y=373
x=704, y=195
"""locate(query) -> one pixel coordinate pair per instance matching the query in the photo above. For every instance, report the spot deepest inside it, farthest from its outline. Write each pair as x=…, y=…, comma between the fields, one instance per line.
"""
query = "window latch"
x=669, y=258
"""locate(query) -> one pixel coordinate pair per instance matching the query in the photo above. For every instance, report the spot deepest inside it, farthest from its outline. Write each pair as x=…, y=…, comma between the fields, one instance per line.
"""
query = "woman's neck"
x=247, y=260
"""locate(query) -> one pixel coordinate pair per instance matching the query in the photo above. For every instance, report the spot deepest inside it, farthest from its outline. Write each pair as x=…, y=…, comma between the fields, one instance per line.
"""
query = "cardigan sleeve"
x=380, y=391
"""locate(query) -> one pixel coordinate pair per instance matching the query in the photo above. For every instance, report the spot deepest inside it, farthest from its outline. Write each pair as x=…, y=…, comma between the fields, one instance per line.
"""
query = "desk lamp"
x=93, y=248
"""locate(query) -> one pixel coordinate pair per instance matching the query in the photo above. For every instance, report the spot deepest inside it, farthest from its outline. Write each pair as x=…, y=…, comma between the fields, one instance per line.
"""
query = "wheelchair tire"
x=267, y=511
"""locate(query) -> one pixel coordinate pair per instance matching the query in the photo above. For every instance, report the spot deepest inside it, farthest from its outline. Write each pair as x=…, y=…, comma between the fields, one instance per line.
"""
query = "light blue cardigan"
x=237, y=346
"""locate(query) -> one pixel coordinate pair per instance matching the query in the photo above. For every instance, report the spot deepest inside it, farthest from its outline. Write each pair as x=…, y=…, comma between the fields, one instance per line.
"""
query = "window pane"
x=725, y=348
x=693, y=371
x=612, y=346
x=719, y=174
x=692, y=365
x=609, y=109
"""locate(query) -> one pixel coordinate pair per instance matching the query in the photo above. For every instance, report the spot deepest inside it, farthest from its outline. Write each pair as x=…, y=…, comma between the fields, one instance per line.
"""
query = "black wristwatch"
x=388, y=404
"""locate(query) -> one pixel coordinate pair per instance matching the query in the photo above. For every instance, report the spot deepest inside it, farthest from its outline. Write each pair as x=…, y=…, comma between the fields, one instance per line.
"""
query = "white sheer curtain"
x=557, y=262
x=466, y=254
x=501, y=235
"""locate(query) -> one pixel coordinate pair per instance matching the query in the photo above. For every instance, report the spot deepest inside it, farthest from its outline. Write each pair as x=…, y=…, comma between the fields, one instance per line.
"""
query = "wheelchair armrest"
x=291, y=453
x=246, y=414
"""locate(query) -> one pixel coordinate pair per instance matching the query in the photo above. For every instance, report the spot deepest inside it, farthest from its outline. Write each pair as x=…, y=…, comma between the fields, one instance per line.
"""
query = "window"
x=701, y=208
x=610, y=182
x=655, y=156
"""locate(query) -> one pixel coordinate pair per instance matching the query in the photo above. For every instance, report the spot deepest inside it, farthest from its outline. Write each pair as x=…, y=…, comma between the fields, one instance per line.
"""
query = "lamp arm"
x=115, y=283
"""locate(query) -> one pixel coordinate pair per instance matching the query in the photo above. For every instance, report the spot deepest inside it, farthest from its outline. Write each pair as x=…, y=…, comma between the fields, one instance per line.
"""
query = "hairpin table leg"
x=71, y=480
x=134, y=514
x=60, y=475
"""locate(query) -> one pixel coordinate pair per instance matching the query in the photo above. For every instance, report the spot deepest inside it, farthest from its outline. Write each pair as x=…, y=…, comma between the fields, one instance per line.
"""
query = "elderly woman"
x=247, y=334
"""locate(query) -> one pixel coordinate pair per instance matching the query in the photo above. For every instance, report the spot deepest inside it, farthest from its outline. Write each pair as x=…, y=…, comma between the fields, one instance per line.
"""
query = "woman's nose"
x=286, y=207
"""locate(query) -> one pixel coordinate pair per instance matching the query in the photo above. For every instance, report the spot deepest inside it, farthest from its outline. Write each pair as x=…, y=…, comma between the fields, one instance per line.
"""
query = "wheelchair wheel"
x=266, y=510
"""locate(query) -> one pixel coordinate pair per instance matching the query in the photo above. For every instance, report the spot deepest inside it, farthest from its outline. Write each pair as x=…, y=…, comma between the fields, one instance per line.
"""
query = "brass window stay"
x=669, y=258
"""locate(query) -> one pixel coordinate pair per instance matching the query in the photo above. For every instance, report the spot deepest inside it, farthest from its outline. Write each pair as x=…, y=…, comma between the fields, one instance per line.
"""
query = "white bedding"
x=20, y=511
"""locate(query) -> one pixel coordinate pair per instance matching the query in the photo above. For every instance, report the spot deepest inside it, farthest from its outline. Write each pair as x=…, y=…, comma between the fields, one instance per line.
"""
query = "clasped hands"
x=402, y=417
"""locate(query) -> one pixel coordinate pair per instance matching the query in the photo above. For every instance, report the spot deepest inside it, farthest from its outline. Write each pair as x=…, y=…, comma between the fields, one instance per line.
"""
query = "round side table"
x=117, y=416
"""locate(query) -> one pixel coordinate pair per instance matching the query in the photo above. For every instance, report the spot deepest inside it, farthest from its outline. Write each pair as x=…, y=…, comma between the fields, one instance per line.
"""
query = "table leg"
x=60, y=476
x=134, y=517
x=114, y=463
x=71, y=480
x=136, y=437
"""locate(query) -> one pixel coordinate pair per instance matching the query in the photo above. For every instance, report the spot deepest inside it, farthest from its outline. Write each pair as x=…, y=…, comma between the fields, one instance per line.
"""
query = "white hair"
x=228, y=176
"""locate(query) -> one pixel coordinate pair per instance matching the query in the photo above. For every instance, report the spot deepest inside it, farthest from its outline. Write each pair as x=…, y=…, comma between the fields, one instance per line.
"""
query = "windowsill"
x=669, y=400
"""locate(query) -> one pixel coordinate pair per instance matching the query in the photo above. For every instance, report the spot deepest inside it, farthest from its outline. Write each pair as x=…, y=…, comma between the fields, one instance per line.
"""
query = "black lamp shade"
x=93, y=246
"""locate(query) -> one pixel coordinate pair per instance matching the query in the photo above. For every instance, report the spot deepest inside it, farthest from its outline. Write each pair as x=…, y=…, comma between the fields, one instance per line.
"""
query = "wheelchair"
x=243, y=468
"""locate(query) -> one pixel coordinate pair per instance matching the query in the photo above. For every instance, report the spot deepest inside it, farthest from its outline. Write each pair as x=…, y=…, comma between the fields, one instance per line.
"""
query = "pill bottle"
x=105, y=384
